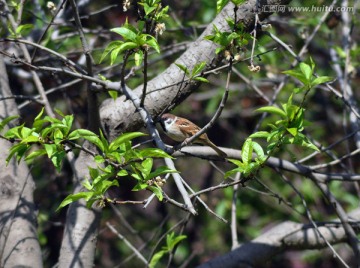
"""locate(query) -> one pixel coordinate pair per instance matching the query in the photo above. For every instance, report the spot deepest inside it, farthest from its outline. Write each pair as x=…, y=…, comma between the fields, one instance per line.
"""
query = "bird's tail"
x=217, y=150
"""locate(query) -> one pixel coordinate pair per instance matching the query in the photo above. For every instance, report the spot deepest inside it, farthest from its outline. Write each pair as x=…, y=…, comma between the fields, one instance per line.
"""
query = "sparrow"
x=179, y=129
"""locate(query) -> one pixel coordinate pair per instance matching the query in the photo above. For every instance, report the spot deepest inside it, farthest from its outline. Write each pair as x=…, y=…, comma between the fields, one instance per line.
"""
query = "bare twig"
x=233, y=225
x=309, y=216
x=121, y=237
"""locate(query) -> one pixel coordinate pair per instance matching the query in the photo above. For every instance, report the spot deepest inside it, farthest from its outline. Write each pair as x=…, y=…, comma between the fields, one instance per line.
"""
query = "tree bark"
x=19, y=245
x=81, y=227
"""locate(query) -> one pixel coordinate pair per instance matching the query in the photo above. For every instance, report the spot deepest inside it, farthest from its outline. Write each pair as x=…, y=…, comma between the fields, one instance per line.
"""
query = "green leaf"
x=152, y=42
x=198, y=68
x=35, y=154
x=220, y=5
x=99, y=159
x=126, y=33
x=160, y=171
x=233, y=171
x=17, y=150
x=50, y=149
x=7, y=120
x=138, y=57
x=58, y=135
x=172, y=240
x=306, y=70
x=113, y=94
x=146, y=167
x=122, y=173
x=321, y=80
x=20, y=132
x=258, y=150
x=110, y=47
x=155, y=259
x=40, y=114
x=238, y=2
x=103, y=186
x=93, y=172
x=140, y=185
x=59, y=112
x=218, y=50
x=67, y=121
x=148, y=9
x=30, y=139
x=236, y=162
x=52, y=120
x=87, y=184
x=272, y=110
x=74, y=197
x=24, y=29
x=246, y=151
x=260, y=134
x=292, y=131
x=124, y=138
x=104, y=141
x=183, y=68
x=87, y=135
x=232, y=36
x=201, y=79
x=127, y=46
x=157, y=191
x=154, y=152
x=57, y=159
x=298, y=75
x=114, y=54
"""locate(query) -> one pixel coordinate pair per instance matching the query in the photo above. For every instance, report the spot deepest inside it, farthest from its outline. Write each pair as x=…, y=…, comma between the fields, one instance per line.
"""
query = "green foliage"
x=221, y=3
x=230, y=42
x=171, y=242
x=147, y=179
x=112, y=93
x=49, y=136
x=306, y=76
x=153, y=10
x=7, y=121
x=247, y=166
x=287, y=130
x=21, y=30
x=195, y=73
x=135, y=41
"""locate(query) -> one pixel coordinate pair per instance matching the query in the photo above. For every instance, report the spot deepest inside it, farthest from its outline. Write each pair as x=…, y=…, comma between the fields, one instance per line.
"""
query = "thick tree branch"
x=283, y=237
x=19, y=245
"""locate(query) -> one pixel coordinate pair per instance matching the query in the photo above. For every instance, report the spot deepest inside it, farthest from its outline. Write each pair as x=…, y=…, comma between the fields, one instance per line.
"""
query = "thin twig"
x=233, y=225
x=121, y=237
x=309, y=216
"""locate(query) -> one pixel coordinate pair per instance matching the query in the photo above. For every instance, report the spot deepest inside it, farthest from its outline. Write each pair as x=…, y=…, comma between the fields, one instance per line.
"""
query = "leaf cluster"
x=171, y=242
x=196, y=73
x=53, y=137
x=230, y=42
x=287, y=130
x=134, y=41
